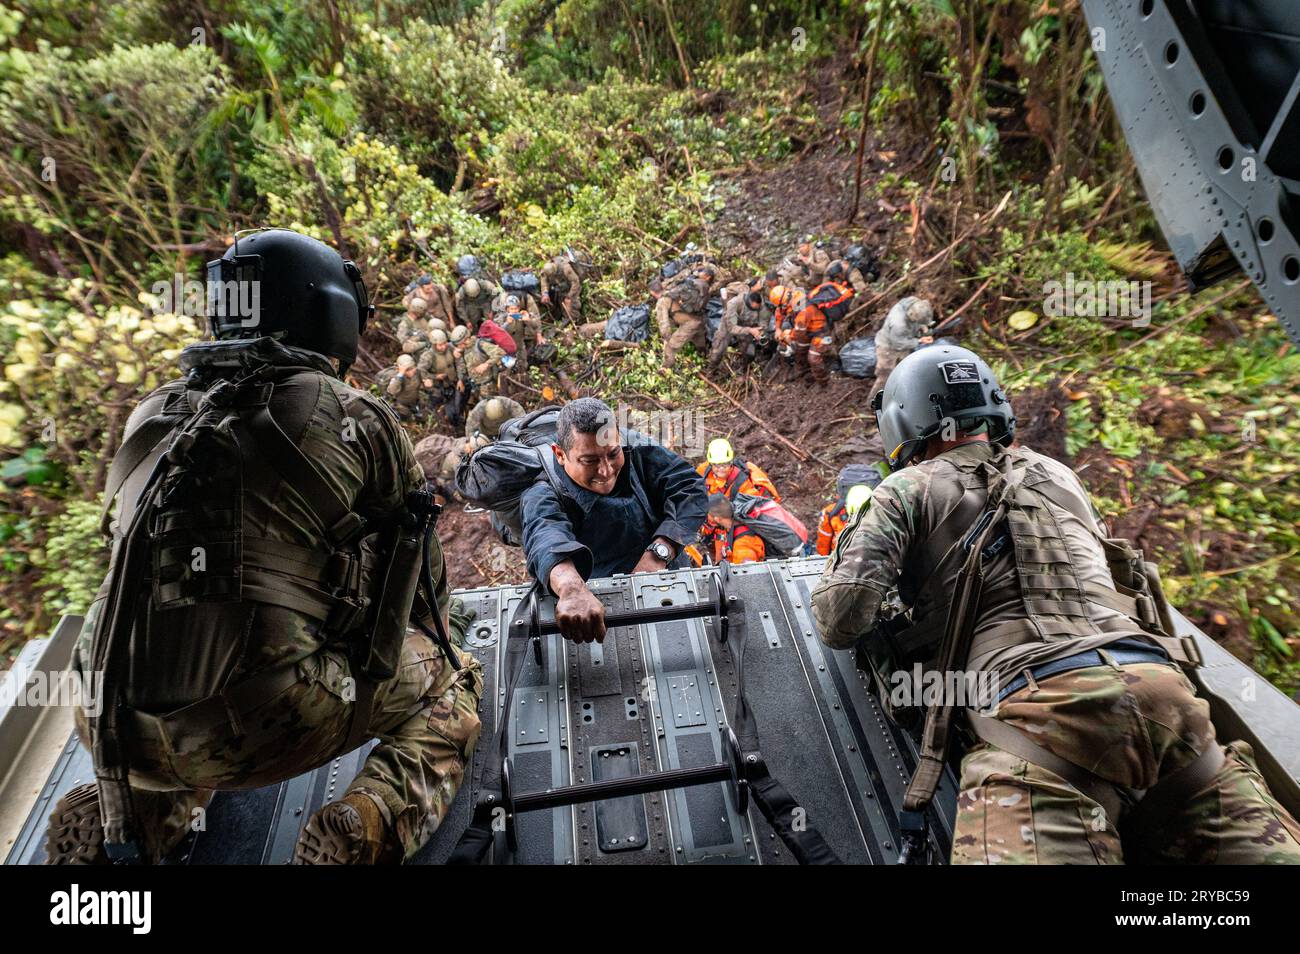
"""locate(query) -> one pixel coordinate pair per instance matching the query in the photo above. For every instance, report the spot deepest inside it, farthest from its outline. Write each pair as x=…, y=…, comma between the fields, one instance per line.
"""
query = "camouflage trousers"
x=425, y=717
x=689, y=330
x=1130, y=725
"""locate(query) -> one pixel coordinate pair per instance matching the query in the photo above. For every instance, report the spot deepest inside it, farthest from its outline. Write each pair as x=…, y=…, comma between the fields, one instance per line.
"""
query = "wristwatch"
x=661, y=551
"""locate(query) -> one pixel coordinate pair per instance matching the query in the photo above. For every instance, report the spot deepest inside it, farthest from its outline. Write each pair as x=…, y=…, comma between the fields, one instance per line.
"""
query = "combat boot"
x=351, y=831
x=76, y=831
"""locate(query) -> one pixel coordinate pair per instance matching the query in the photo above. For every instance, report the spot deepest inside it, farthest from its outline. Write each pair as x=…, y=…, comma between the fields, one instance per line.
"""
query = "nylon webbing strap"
x=956, y=641
x=1012, y=740
x=137, y=447
x=110, y=650
x=477, y=838
x=334, y=513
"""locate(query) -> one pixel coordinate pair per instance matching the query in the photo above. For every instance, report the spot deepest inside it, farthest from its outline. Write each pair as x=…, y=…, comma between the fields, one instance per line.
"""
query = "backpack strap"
x=149, y=436
x=335, y=515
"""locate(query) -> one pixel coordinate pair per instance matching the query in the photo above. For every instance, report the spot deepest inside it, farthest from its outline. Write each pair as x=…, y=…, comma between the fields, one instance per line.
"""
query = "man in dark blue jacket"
x=605, y=509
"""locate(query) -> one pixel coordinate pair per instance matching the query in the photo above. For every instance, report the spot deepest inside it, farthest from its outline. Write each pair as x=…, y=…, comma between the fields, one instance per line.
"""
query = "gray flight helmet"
x=934, y=385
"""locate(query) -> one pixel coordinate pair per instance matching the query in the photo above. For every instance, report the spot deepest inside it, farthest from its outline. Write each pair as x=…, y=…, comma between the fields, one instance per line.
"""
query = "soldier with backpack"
x=741, y=325
x=488, y=416
x=679, y=315
x=1091, y=745
x=492, y=352
x=271, y=542
x=474, y=302
x=561, y=288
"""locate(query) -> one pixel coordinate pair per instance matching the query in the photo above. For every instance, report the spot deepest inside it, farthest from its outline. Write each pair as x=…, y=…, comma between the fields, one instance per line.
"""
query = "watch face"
x=661, y=551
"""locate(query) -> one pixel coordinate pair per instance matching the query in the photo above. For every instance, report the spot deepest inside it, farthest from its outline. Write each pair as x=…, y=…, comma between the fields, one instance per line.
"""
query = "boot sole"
x=332, y=836
x=76, y=832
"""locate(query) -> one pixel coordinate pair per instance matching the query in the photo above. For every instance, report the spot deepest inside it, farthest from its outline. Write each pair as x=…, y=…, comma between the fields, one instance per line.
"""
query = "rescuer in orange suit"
x=836, y=516
x=731, y=540
x=724, y=474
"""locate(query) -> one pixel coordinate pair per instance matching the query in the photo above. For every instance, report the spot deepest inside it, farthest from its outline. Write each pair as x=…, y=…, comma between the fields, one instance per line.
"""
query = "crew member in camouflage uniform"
x=562, y=288
x=1079, y=682
x=905, y=328
x=815, y=260
x=415, y=318
x=484, y=361
x=741, y=325
x=446, y=368
x=474, y=302
x=679, y=315
x=408, y=389
x=440, y=303
x=486, y=417
x=245, y=673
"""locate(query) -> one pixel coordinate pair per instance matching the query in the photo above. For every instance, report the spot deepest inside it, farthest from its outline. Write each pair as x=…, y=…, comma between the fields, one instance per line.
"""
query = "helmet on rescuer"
x=939, y=386
x=282, y=284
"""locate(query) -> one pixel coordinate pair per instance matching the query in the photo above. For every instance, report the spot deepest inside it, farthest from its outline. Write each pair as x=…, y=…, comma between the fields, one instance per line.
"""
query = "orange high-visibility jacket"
x=743, y=477
x=737, y=545
x=834, y=519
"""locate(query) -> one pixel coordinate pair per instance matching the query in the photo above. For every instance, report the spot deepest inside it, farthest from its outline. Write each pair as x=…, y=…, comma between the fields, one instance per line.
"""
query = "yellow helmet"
x=856, y=498
x=720, y=451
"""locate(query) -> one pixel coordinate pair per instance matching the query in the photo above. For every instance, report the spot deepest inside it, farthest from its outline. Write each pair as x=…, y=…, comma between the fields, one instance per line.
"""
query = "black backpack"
x=864, y=261
x=713, y=315
x=854, y=474
x=832, y=300
x=629, y=323
x=521, y=283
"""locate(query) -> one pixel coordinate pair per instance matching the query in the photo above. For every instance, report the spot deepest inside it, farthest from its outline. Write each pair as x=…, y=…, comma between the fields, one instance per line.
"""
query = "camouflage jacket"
x=445, y=367
x=472, y=311
x=900, y=331
x=406, y=390
x=736, y=313
x=480, y=352
x=896, y=543
x=564, y=283
x=474, y=423
x=440, y=303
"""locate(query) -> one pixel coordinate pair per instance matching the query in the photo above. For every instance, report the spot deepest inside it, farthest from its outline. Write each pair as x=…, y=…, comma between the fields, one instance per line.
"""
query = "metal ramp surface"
x=651, y=697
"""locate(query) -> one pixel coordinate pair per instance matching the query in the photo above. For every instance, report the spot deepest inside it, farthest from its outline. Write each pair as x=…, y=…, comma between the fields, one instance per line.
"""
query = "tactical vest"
x=189, y=540
x=218, y=438
x=1035, y=591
